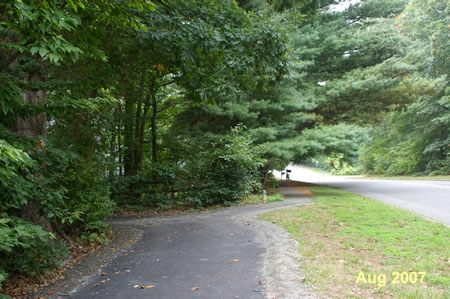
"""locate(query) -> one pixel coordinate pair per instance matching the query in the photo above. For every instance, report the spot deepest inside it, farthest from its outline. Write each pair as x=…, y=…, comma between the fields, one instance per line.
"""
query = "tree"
x=416, y=138
x=38, y=183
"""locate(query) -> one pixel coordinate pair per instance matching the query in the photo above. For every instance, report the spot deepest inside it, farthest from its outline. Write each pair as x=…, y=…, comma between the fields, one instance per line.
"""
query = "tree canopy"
x=189, y=103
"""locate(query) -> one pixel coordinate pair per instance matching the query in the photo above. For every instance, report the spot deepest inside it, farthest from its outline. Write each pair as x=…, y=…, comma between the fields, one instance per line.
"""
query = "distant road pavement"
x=427, y=198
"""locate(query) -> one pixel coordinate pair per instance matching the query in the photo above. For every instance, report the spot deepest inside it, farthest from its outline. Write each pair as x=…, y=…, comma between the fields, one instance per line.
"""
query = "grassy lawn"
x=345, y=234
x=258, y=199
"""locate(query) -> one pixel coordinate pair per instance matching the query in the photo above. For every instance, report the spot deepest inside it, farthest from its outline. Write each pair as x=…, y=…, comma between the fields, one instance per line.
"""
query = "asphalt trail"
x=209, y=255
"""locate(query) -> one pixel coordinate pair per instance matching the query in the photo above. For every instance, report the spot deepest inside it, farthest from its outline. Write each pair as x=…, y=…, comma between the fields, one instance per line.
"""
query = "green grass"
x=258, y=199
x=344, y=233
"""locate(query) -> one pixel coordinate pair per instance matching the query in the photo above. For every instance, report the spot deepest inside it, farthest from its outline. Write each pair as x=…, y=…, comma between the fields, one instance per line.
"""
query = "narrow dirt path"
x=223, y=254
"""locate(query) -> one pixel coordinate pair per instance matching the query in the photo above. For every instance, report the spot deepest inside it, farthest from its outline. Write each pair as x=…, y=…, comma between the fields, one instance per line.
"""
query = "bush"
x=39, y=179
x=223, y=171
x=28, y=249
x=89, y=197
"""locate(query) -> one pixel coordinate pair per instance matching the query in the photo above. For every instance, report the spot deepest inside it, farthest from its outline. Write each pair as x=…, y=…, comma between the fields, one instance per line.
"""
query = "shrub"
x=28, y=249
x=224, y=170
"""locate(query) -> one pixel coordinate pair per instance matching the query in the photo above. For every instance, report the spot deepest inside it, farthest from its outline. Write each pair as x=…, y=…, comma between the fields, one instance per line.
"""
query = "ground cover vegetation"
x=191, y=103
x=344, y=234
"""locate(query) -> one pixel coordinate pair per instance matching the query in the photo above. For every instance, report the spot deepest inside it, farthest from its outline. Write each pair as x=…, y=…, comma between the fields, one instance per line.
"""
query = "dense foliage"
x=381, y=65
x=190, y=103
x=415, y=139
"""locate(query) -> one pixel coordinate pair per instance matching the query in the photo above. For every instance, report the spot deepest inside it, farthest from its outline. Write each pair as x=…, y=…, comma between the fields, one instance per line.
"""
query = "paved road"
x=190, y=256
x=427, y=198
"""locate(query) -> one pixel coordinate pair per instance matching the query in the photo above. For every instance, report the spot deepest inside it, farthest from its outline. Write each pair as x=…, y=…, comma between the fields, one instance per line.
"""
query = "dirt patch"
x=305, y=188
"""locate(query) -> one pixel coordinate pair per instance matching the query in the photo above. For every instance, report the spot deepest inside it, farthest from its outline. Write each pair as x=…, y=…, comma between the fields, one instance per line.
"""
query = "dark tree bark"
x=33, y=127
x=119, y=143
x=112, y=150
x=138, y=127
x=154, y=132
x=129, y=141
x=143, y=120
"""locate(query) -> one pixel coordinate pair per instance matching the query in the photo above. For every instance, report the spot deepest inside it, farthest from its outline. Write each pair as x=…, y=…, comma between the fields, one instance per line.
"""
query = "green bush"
x=89, y=197
x=28, y=249
x=69, y=193
x=223, y=171
x=337, y=165
x=15, y=164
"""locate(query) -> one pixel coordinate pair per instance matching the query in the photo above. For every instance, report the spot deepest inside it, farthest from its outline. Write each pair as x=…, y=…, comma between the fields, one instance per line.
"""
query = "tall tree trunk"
x=33, y=127
x=139, y=120
x=112, y=150
x=154, y=133
x=140, y=138
x=129, y=140
x=119, y=143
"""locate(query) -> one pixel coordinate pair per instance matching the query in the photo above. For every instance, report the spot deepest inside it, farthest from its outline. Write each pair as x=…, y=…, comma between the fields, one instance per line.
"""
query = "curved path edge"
x=282, y=271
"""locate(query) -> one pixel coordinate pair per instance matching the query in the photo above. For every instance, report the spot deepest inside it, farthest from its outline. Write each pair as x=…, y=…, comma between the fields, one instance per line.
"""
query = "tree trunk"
x=138, y=126
x=129, y=140
x=119, y=144
x=140, y=138
x=112, y=150
x=154, y=133
x=33, y=127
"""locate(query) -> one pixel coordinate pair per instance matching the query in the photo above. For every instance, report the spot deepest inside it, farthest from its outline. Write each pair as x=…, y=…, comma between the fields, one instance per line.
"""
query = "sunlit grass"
x=258, y=199
x=345, y=233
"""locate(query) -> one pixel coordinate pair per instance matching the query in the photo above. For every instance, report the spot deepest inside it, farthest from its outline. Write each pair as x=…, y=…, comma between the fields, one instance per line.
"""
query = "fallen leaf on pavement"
x=260, y=282
x=235, y=260
x=195, y=288
x=147, y=287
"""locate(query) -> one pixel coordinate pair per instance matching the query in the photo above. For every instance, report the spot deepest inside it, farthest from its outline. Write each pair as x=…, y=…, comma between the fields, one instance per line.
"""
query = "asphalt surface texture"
x=427, y=198
x=206, y=255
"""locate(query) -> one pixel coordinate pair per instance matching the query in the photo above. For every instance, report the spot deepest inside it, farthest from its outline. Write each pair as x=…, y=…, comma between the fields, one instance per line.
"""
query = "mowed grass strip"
x=345, y=234
x=259, y=199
